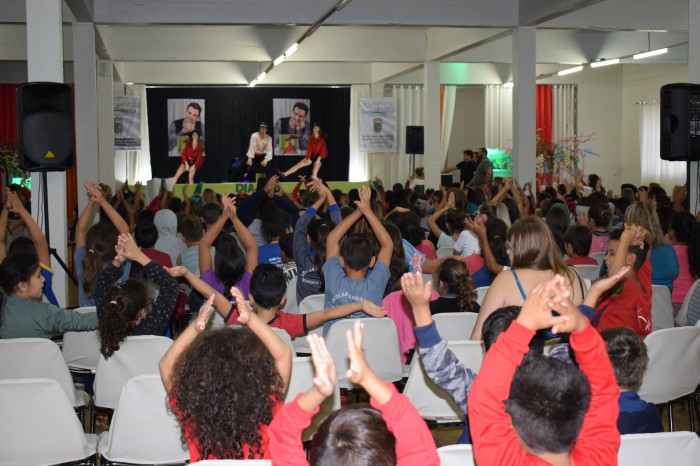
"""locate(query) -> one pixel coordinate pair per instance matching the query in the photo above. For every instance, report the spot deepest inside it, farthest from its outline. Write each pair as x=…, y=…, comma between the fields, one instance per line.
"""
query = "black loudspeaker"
x=45, y=126
x=414, y=139
x=680, y=122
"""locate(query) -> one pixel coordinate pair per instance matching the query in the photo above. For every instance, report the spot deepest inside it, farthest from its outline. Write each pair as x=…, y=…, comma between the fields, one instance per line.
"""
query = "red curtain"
x=544, y=112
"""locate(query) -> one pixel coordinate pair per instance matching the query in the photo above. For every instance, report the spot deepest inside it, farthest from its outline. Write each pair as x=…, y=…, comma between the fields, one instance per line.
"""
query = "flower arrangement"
x=561, y=161
x=9, y=163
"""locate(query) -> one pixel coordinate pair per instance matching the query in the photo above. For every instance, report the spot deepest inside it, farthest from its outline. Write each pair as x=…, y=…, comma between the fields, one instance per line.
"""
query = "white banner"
x=377, y=124
x=127, y=123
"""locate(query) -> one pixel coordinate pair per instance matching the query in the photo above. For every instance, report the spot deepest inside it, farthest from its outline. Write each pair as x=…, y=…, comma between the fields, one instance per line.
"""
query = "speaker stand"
x=413, y=165
x=52, y=251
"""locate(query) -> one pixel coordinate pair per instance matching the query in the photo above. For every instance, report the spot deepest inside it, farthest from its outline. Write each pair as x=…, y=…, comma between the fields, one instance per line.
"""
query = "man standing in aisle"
x=466, y=168
x=260, y=151
x=484, y=171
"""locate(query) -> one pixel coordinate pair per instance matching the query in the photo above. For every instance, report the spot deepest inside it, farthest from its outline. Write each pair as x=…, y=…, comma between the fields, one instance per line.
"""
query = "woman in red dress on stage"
x=315, y=152
x=192, y=157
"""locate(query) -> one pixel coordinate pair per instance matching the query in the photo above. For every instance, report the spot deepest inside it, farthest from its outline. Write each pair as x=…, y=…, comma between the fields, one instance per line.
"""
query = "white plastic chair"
x=380, y=345
x=590, y=272
x=456, y=455
x=137, y=355
x=38, y=425
x=682, y=316
x=308, y=305
x=677, y=448
x=301, y=380
x=661, y=308
x=674, y=365
x=455, y=325
x=480, y=293
x=22, y=358
x=143, y=430
x=432, y=402
x=599, y=257
x=81, y=350
x=285, y=337
x=444, y=252
x=291, y=306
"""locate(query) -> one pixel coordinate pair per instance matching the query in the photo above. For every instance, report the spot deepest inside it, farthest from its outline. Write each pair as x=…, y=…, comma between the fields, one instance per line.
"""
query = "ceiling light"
x=651, y=53
x=253, y=83
x=261, y=77
x=508, y=84
x=291, y=50
x=279, y=60
x=598, y=64
x=575, y=69
x=129, y=84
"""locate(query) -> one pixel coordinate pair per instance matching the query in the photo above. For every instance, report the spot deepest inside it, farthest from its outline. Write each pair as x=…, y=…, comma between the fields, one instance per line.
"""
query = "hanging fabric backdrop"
x=654, y=169
x=233, y=114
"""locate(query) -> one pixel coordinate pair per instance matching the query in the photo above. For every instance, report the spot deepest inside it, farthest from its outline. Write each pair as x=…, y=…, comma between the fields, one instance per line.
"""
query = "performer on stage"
x=316, y=151
x=260, y=150
x=192, y=157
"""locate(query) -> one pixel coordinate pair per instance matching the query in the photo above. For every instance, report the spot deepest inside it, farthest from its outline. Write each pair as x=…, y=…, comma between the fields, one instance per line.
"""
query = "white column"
x=45, y=63
x=86, y=145
x=377, y=159
x=105, y=119
x=431, y=123
x=693, y=77
x=524, y=95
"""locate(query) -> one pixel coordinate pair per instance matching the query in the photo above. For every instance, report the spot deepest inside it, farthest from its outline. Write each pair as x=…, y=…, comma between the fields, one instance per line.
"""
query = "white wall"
x=467, y=124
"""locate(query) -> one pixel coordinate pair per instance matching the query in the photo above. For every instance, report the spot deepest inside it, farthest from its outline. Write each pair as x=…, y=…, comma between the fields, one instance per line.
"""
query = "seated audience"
x=456, y=289
x=168, y=242
x=577, y=243
x=288, y=266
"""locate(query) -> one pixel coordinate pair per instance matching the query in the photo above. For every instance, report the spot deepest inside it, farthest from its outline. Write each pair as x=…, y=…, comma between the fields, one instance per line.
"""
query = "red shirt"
x=316, y=147
x=631, y=308
x=193, y=156
x=495, y=440
x=293, y=324
x=582, y=260
x=158, y=257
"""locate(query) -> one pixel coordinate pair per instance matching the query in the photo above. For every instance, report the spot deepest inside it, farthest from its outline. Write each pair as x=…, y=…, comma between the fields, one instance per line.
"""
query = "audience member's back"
x=168, y=242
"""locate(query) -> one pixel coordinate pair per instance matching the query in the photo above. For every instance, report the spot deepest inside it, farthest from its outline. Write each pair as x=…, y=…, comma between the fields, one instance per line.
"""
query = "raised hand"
x=451, y=201
x=636, y=235
x=244, y=312
x=200, y=322
x=363, y=204
x=417, y=292
x=477, y=226
x=359, y=368
x=128, y=246
x=582, y=218
x=536, y=313
x=229, y=205
x=602, y=285
x=324, y=367
x=176, y=271
x=371, y=309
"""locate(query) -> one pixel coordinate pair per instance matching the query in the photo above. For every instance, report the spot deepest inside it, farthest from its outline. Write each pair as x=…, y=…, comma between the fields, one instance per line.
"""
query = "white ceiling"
x=231, y=42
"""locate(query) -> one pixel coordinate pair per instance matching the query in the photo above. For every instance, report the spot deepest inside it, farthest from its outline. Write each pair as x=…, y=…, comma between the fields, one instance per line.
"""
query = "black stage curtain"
x=233, y=114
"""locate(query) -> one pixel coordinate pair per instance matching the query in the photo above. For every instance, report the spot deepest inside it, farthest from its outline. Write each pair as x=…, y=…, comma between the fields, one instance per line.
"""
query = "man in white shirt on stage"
x=260, y=151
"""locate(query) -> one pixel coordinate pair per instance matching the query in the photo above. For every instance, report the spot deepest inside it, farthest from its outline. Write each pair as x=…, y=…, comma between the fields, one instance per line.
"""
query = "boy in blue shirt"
x=346, y=267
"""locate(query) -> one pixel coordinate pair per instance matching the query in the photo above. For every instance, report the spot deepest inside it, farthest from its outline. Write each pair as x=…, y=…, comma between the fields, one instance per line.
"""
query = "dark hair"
x=117, y=321
x=318, y=231
x=557, y=221
x=100, y=241
x=628, y=356
x=659, y=195
x=145, y=234
x=600, y=214
x=286, y=243
x=409, y=225
x=468, y=152
x=454, y=275
x=22, y=243
x=533, y=246
x=461, y=200
x=454, y=220
x=593, y=180
x=639, y=252
x=547, y=402
x=195, y=106
x=355, y=434
x=192, y=228
x=356, y=251
x=225, y=385
x=146, y=214
x=229, y=262
x=513, y=212
x=308, y=198
x=337, y=195
x=580, y=238
x=397, y=265
x=496, y=232
x=18, y=267
x=275, y=223
x=694, y=252
x=301, y=106
x=210, y=213
x=499, y=321
x=267, y=286
x=665, y=215
x=175, y=204
x=622, y=204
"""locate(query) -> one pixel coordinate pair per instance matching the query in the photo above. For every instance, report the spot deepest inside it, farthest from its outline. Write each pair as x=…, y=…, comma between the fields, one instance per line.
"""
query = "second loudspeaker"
x=414, y=139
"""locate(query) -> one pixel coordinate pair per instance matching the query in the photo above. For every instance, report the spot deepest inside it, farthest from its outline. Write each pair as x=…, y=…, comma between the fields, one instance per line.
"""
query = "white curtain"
x=135, y=165
x=449, y=95
x=667, y=174
x=359, y=161
x=409, y=112
x=498, y=115
x=563, y=112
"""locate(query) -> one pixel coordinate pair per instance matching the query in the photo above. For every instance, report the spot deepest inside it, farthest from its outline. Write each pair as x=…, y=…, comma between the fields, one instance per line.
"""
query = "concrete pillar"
x=86, y=144
x=524, y=107
x=45, y=63
x=105, y=120
x=377, y=159
x=431, y=123
x=693, y=77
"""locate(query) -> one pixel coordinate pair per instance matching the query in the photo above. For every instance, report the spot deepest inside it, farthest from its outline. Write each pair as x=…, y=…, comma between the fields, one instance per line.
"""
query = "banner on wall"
x=185, y=116
x=377, y=124
x=127, y=123
x=292, y=126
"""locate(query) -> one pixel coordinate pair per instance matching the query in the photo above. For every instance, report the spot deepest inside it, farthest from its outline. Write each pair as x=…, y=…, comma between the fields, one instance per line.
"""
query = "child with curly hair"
x=226, y=385
x=456, y=289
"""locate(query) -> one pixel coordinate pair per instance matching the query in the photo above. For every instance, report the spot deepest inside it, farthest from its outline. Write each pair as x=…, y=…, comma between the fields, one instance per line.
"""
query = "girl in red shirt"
x=192, y=157
x=315, y=152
